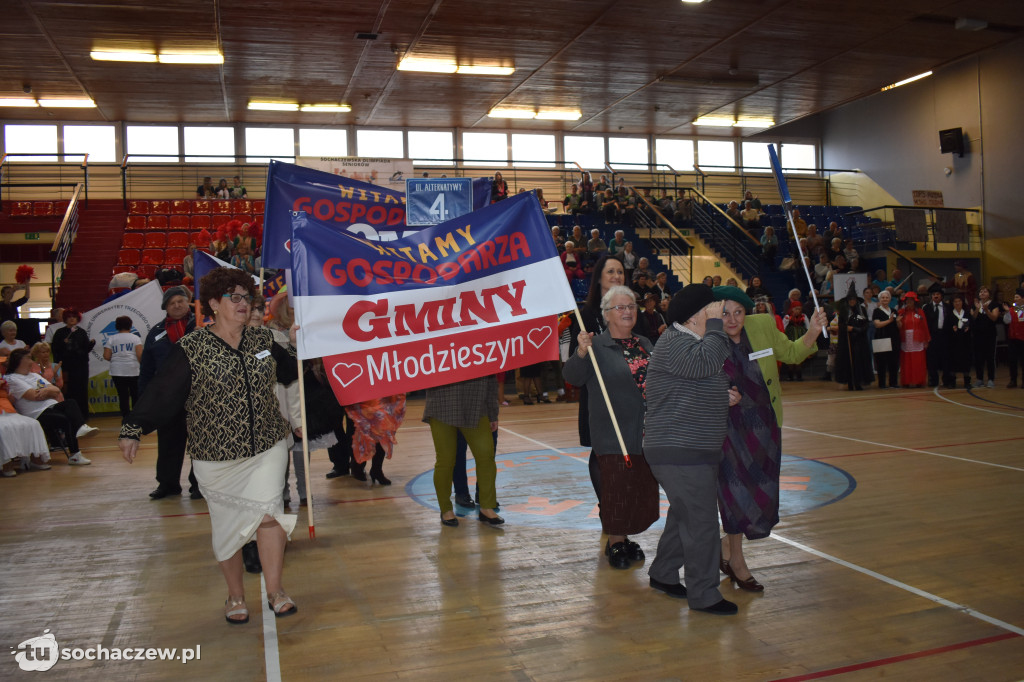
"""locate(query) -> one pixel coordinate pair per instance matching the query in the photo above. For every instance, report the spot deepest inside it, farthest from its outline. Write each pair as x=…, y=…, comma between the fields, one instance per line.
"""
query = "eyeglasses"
x=238, y=298
x=623, y=308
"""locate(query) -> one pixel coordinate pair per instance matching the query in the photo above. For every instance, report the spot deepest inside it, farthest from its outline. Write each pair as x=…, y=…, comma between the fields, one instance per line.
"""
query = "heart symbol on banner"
x=542, y=335
x=349, y=374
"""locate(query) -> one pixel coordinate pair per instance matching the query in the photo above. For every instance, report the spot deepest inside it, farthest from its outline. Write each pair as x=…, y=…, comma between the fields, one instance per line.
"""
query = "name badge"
x=263, y=355
x=758, y=354
x=160, y=335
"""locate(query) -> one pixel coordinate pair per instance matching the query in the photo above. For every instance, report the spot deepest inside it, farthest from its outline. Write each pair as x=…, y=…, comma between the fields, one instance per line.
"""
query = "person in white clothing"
x=9, y=330
x=123, y=351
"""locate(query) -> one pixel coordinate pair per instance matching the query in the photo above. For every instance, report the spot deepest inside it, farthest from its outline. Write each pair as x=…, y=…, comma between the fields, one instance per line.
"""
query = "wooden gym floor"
x=906, y=565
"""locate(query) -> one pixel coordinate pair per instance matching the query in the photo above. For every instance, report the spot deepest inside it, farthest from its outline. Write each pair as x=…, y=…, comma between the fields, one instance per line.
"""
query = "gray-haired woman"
x=629, y=493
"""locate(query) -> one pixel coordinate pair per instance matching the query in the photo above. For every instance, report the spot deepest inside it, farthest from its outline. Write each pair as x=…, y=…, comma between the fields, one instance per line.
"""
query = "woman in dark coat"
x=71, y=348
x=853, y=357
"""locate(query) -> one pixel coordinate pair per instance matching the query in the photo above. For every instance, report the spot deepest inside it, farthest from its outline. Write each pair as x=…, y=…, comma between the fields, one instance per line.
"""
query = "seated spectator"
x=667, y=204
x=822, y=270
x=733, y=211
x=684, y=209
x=716, y=281
x=243, y=259
x=573, y=201
x=22, y=443
x=188, y=264
x=586, y=186
x=731, y=282
x=499, y=189
x=652, y=321
x=42, y=364
x=799, y=224
x=833, y=231
x=750, y=198
x=645, y=206
x=206, y=190
x=571, y=261
x=661, y=286
x=610, y=208
x=577, y=236
x=603, y=184
x=802, y=245
x=835, y=250
x=791, y=300
x=643, y=268
x=642, y=286
x=596, y=245
x=618, y=244
x=543, y=201
x=708, y=281
x=769, y=246
x=881, y=280
x=628, y=261
x=663, y=307
x=556, y=236
x=849, y=251
x=751, y=217
x=756, y=289
x=815, y=242
x=238, y=189
x=35, y=397
x=9, y=330
x=223, y=191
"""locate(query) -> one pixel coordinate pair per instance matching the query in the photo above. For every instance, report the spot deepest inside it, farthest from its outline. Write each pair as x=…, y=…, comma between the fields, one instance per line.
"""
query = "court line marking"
x=941, y=445
x=971, y=392
x=903, y=586
x=271, y=655
x=873, y=396
x=900, y=447
x=559, y=451
x=981, y=409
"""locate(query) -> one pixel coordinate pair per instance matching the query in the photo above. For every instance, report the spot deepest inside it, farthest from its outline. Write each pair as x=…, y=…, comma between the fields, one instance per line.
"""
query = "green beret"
x=734, y=294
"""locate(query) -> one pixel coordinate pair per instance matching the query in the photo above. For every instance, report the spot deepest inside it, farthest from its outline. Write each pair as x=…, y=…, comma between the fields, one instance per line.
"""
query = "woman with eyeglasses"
x=628, y=494
x=224, y=376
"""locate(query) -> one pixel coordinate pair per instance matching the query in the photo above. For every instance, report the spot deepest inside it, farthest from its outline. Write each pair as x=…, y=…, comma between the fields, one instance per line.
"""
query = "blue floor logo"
x=552, y=489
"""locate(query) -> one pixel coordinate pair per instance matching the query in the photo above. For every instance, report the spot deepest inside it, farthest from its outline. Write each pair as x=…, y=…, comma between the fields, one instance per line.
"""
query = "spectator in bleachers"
x=556, y=236
x=642, y=286
x=963, y=281
x=596, y=245
x=684, y=209
x=220, y=247
x=887, y=355
x=732, y=282
x=646, y=206
x=663, y=307
x=643, y=268
x=984, y=316
x=628, y=260
x=769, y=247
x=661, y=286
x=571, y=202
x=577, y=236
x=1013, y=317
x=756, y=289
x=880, y=279
x=8, y=306
x=71, y=348
x=223, y=191
x=602, y=185
x=245, y=236
x=243, y=259
x=587, y=192
x=914, y=340
x=716, y=281
x=839, y=264
x=961, y=352
x=123, y=351
x=610, y=208
x=792, y=298
x=750, y=198
x=499, y=189
x=827, y=286
x=618, y=244
x=751, y=217
x=822, y=270
x=571, y=261
x=815, y=242
x=850, y=251
x=799, y=223
x=206, y=190
x=188, y=263
x=708, y=281
x=667, y=204
x=9, y=330
x=734, y=212
x=22, y=441
x=652, y=321
x=833, y=231
x=835, y=250
x=543, y=202
x=238, y=190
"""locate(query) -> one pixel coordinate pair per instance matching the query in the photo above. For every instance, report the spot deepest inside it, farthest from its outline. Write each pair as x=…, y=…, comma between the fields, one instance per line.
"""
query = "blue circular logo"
x=553, y=489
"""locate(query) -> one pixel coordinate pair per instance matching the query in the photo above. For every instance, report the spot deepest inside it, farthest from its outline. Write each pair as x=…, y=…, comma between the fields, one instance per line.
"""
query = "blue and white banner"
x=429, y=201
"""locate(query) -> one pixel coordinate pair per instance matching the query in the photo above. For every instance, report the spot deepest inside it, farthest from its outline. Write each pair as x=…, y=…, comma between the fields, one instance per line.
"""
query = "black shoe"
x=378, y=477
x=633, y=551
x=496, y=521
x=451, y=523
x=335, y=473
x=251, y=557
x=162, y=492
x=464, y=500
x=722, y=608
x=618, y=555
x=543, y=400
x=194, y=494
x=359, y=474
x=678, y=590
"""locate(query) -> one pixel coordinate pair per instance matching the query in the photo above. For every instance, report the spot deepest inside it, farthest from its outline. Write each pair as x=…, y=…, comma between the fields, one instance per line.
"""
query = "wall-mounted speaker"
x=951, y=141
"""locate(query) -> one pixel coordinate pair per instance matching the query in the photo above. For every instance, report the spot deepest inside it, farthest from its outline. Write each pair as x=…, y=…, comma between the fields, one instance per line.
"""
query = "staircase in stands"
x=93, y=255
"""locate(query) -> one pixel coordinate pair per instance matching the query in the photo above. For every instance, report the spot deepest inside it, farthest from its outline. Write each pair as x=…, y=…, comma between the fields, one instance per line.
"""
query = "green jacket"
x=762, y=333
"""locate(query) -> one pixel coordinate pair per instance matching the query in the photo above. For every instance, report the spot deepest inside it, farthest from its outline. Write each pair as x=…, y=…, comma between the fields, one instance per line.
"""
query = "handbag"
x=881, y=345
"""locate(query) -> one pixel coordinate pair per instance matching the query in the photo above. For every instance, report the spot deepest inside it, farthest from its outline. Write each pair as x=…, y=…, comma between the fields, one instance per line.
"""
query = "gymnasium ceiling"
x=630, y=66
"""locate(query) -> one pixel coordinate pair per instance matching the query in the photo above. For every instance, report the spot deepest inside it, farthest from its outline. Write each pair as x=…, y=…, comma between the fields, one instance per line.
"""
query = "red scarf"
x=176, y=328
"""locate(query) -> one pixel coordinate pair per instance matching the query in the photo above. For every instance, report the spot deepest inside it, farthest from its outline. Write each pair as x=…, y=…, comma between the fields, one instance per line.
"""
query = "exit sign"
x=31, y=236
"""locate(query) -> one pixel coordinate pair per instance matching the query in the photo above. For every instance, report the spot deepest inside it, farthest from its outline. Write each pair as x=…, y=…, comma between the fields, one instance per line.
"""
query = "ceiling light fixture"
x=486, y=70
x=325, y=108
x=191, y=58
x=694, y=2
x=274, y=106
x=512, y=113
x=907, y=80
x=18, y=102
x=752, y=122
x=122, y=56
x=559, y=114
x=67, y=103
x=427, y=65
x=715, y=121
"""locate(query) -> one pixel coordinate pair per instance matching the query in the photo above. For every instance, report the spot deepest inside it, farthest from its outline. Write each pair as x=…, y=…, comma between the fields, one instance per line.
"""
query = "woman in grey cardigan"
x=688, y=398
x=629, y=494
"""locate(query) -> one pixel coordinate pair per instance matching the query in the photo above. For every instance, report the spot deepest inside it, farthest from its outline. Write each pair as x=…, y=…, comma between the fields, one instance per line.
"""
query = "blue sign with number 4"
x=430, y=201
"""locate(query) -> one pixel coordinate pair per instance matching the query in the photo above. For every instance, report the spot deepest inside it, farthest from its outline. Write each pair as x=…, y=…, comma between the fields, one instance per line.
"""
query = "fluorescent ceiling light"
x=18, y=102
x=560, y=114
x=907, y=80
x=714, y=121
x=68, y=103
x=191, y=58
x=427, y=65
x=512, y=113
x=486, y=70
x=326, y=108
x=755, y=123
x=122, y=56
x=274, y=106
x=694, y=2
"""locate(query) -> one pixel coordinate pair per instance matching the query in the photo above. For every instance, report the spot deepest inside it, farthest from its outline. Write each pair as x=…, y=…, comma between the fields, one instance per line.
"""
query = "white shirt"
x=18, y=384
x=51, y=330
x=123, y=362
x=18, y=343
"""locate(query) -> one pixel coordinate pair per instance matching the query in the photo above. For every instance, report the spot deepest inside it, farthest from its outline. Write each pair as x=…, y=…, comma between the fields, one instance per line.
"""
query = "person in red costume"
x=914, y=338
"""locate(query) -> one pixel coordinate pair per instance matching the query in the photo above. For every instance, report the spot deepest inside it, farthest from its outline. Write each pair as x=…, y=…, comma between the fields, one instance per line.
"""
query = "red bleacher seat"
x=132, y=240
x=180, y=222
x=20, y=208
x=153, y=257
x=160, y=206
x=136, y=207
x=136, y=222
x=200, y=222
x=128, y=257
x=181, y=206
x=220, y=221
x=257, y=206
x=259, y=221
x=243, y=206
x=156, y=222
x=118, y=269
x=42, y=208
x=174, y=256
x=178, y=239
x=222, y=206
x=201, y=206
x=146, y=271
x=155, y=240
x=60, y=207
x=242, y=218
x=201, y=240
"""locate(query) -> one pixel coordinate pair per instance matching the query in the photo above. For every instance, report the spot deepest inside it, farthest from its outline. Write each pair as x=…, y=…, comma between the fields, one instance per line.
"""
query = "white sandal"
x=236, y=607
x=278, y=601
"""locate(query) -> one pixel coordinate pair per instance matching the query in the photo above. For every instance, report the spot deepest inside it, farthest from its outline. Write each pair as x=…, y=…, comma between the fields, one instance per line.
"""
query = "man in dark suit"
x=939, y=315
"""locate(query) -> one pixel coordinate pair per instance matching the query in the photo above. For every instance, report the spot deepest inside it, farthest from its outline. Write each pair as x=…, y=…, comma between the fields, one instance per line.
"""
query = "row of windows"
x=218, y=145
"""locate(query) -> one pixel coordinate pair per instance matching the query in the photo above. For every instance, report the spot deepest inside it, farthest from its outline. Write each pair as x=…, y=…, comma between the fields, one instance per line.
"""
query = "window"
x=31, y=139
x=210, y=145
x=628, y=153
x=96, y=141
x=152, y=140
x=716, y=156
x=533, y=151
x=271, y=142
x=485, y=149
x=588, y=152
x=322, y=142
x=434, y=148
x=755, y=157
x=799, y=158
x=675, y=153
x=380, y=144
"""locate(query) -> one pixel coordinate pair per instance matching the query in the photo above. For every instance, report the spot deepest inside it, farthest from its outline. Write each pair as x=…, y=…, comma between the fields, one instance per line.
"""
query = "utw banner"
x=334, y=200
x=459, y=300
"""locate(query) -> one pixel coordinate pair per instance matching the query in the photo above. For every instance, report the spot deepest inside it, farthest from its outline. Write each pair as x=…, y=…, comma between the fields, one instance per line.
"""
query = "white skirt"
x=239, y=493
x=21, y=436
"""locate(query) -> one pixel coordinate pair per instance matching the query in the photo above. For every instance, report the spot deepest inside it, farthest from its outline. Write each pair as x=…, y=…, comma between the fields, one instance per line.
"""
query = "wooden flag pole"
x=604, y=392
x=305, y=451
